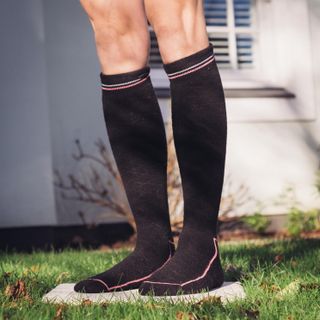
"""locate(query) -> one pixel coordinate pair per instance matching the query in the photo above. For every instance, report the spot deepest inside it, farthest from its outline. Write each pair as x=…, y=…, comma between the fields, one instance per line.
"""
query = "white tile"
x=64, y=293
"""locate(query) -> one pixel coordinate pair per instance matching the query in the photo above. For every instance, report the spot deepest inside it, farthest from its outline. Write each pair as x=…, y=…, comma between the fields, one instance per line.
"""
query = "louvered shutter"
x=229, y=25
x=215, y=12
x=243, y=19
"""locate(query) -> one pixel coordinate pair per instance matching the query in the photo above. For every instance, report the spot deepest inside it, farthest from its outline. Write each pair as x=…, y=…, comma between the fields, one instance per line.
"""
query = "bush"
x=301, y=221
x=318, y=181
x=257, y=222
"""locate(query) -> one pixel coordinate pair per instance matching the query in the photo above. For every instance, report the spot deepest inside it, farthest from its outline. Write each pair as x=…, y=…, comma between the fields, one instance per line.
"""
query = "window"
x=230, y=26
x=255, y=44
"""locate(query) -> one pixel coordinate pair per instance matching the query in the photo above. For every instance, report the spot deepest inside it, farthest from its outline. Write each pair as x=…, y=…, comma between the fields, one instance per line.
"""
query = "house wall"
x=271, y=153
x=74, y=97
x=274, y=143
x=50, y=88
x=26, y=196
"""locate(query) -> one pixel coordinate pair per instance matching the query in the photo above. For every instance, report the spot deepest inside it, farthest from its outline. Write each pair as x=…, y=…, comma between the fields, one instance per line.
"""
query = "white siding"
x=26, y=196
x=50, y=96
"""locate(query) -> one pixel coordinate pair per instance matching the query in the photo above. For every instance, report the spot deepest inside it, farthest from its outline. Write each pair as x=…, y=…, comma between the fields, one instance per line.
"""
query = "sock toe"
x=89, y=286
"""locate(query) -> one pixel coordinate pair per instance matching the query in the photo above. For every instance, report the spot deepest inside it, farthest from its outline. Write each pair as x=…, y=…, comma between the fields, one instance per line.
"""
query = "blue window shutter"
x=216, y=16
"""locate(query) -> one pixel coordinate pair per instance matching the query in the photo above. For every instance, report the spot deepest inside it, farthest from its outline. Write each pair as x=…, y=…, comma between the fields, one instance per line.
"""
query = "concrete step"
x=64, y=293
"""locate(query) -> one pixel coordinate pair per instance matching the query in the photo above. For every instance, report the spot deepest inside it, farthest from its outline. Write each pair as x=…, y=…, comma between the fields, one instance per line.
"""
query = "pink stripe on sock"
x=101, y=281
x=208, y=266
x=119, y=84
x=191, y=71
x=132, y=281
x=127, y=86
x=193, y=66
x=141, y=279
x=198, y=278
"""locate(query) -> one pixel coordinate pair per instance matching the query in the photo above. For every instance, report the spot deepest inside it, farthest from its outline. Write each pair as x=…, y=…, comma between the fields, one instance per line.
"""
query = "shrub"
x=303, y=221
x=318, y=181
x=257, y=222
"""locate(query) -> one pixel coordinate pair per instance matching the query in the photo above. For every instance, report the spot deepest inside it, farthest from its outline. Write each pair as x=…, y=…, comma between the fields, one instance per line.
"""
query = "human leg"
x=199, y=130
x=137, y=138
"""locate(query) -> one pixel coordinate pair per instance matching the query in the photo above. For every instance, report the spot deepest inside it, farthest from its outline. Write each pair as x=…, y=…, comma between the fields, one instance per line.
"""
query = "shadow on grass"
x=268, y=255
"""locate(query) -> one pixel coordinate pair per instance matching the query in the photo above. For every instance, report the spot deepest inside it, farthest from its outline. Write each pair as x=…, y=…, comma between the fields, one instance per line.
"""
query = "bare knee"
x=121, y=34
x=179, y=26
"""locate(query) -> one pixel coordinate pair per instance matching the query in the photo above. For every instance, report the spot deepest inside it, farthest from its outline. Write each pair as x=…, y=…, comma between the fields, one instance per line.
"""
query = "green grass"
x=264, y=268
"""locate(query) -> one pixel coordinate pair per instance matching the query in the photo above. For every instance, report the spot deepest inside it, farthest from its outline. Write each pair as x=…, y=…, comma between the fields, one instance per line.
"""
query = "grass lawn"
x=281, y=280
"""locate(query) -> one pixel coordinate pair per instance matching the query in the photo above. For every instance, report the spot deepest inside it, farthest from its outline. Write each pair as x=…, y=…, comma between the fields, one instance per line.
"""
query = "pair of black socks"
x=138, y=141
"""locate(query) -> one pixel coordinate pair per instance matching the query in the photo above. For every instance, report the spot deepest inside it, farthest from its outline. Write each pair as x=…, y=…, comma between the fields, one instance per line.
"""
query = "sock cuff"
x=112, y=82
x=189, y=64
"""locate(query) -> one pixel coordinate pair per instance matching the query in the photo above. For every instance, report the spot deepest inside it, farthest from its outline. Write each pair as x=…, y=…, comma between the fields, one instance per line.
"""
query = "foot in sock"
x=200, y=131
x=195, y=267
x=138, y=141
x=140, y=265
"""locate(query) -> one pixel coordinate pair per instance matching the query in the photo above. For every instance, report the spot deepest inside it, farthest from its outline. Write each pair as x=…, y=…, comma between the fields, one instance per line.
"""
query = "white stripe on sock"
x=194, y=66
x=119, y=84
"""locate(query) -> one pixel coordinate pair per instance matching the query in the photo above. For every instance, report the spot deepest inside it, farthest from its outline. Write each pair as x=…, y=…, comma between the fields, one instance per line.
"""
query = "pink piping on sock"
x=198, y=278
x=132, y=281
x=193, y=66
x=119, y=84
x=98, y=280
x=193, y=70
x=127, y=86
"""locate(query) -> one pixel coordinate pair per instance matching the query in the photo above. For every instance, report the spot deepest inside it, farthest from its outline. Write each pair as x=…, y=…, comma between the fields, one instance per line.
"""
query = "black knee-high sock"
x=138, y=141
x=199, y=129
